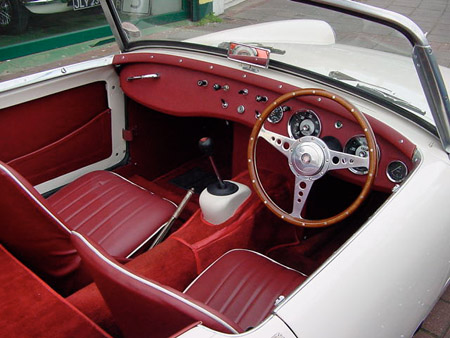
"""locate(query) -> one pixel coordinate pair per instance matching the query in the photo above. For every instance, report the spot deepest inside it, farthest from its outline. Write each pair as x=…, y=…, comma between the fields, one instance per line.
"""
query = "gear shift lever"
x=220, y=200
x=220, y=188
x=206, y=146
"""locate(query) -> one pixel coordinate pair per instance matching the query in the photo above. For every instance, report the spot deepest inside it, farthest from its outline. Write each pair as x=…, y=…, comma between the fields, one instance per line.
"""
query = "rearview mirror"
x=255, y=56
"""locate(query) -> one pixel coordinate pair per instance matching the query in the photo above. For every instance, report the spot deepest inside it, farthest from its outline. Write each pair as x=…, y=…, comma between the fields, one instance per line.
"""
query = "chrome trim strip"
x=434, y=88
x=25, y=189
x=153, y=285
x=55, y=73
x=40, y=2
x=113, y=20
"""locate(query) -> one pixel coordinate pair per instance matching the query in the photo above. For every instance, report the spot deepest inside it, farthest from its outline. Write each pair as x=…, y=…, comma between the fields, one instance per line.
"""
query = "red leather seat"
x=117, y=214
x=235, y=293
x=244, y=286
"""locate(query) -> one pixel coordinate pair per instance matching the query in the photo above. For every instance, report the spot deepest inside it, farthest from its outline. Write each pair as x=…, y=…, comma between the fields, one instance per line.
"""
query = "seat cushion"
x=244, y=286
x=142, y=307
x=115, y=213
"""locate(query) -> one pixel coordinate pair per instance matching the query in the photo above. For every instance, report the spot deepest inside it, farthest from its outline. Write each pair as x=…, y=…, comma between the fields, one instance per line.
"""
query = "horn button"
x=309, y=157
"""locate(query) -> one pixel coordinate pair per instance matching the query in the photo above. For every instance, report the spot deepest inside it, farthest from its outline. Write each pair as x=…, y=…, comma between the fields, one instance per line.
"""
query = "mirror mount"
x=250, y=56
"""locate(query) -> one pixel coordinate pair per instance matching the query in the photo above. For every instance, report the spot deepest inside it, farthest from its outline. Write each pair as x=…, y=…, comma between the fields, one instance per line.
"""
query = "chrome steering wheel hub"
x=309, y=157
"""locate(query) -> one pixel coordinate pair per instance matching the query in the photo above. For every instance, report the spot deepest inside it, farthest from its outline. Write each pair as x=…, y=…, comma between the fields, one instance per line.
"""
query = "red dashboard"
x=187, y=87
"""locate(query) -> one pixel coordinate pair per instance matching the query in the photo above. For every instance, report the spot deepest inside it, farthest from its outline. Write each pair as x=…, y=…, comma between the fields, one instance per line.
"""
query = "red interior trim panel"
x=89, y=144
x=51, y=136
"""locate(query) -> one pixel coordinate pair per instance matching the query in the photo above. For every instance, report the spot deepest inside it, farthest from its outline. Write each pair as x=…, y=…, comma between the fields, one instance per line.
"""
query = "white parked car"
x=321, y=211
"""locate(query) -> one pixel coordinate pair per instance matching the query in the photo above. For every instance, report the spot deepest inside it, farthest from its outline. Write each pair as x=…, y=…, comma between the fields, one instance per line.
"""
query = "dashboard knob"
x=260, y=98
x=202, y=83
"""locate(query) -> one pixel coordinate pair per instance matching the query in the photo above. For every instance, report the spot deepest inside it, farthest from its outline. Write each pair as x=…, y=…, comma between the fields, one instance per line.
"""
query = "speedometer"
x=357, y=145
x=304, y=123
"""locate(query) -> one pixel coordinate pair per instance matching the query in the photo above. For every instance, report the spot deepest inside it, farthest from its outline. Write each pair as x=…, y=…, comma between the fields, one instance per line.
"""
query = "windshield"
x=374, y=58
x=369, y=56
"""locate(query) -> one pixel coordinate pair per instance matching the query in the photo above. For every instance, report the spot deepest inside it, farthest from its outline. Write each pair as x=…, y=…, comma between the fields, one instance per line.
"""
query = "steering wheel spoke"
x=281, y=143
x=340, y=160
x=302, y=188
x=309, y=157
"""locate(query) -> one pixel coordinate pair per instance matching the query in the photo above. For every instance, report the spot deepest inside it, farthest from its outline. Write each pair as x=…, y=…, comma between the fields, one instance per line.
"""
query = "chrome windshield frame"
x=424, y=61
x=112, y=17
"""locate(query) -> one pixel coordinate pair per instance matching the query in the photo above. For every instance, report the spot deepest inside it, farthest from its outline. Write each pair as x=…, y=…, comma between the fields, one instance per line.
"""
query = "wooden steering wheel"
x=309, y=158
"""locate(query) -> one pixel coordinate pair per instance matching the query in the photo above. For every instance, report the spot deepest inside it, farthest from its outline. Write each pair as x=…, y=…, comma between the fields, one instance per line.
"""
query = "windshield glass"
x=374, y=58
x=370, y=56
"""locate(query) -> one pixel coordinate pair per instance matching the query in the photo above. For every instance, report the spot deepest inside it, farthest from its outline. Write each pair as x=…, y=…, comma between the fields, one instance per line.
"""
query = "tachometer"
x=357, y=145
x=304, y=123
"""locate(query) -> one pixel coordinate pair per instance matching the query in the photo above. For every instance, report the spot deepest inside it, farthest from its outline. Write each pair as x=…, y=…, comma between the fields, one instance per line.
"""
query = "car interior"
x=101, y=225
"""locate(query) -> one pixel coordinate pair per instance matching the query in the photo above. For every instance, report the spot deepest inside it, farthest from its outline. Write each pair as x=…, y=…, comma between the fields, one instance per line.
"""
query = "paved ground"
x=432, y=16
x=437, y=325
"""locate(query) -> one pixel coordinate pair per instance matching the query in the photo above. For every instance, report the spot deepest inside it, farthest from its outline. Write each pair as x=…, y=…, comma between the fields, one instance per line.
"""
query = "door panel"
x=58, y=129
x=90, y=143
x=54, y=135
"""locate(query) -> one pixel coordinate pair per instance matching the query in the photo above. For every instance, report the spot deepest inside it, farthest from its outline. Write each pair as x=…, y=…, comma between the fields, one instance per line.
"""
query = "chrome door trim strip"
x=55, y=73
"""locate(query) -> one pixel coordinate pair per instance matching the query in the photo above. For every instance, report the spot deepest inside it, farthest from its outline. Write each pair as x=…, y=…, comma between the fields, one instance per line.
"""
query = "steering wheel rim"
x=290, y=147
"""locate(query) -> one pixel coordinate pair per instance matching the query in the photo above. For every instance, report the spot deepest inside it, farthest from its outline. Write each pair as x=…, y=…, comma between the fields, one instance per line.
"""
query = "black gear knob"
x=206, y=146
x=220, y=188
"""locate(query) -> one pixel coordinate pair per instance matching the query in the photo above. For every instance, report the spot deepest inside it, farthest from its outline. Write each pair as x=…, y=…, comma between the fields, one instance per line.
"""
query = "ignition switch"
x=260, y=98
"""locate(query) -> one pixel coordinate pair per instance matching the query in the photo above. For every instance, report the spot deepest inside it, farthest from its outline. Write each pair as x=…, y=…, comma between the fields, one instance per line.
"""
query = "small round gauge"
x=276, y=115
x=357, y=145
x=396, y=171
x=304, y=123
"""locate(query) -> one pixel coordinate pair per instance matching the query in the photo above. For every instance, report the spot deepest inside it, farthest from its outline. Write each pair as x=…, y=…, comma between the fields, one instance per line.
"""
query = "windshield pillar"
x=435, y=91
x=426, y=66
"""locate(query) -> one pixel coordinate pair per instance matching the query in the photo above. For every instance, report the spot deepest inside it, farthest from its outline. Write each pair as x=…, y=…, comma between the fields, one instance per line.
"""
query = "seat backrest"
x=140, y=306
x=32, y=233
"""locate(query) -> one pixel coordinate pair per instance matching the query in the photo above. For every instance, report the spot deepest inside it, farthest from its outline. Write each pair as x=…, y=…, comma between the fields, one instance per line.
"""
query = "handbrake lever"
x=165, y=230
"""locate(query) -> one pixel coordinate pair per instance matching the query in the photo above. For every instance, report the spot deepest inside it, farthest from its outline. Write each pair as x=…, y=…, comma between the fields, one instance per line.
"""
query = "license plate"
x=83, y=4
